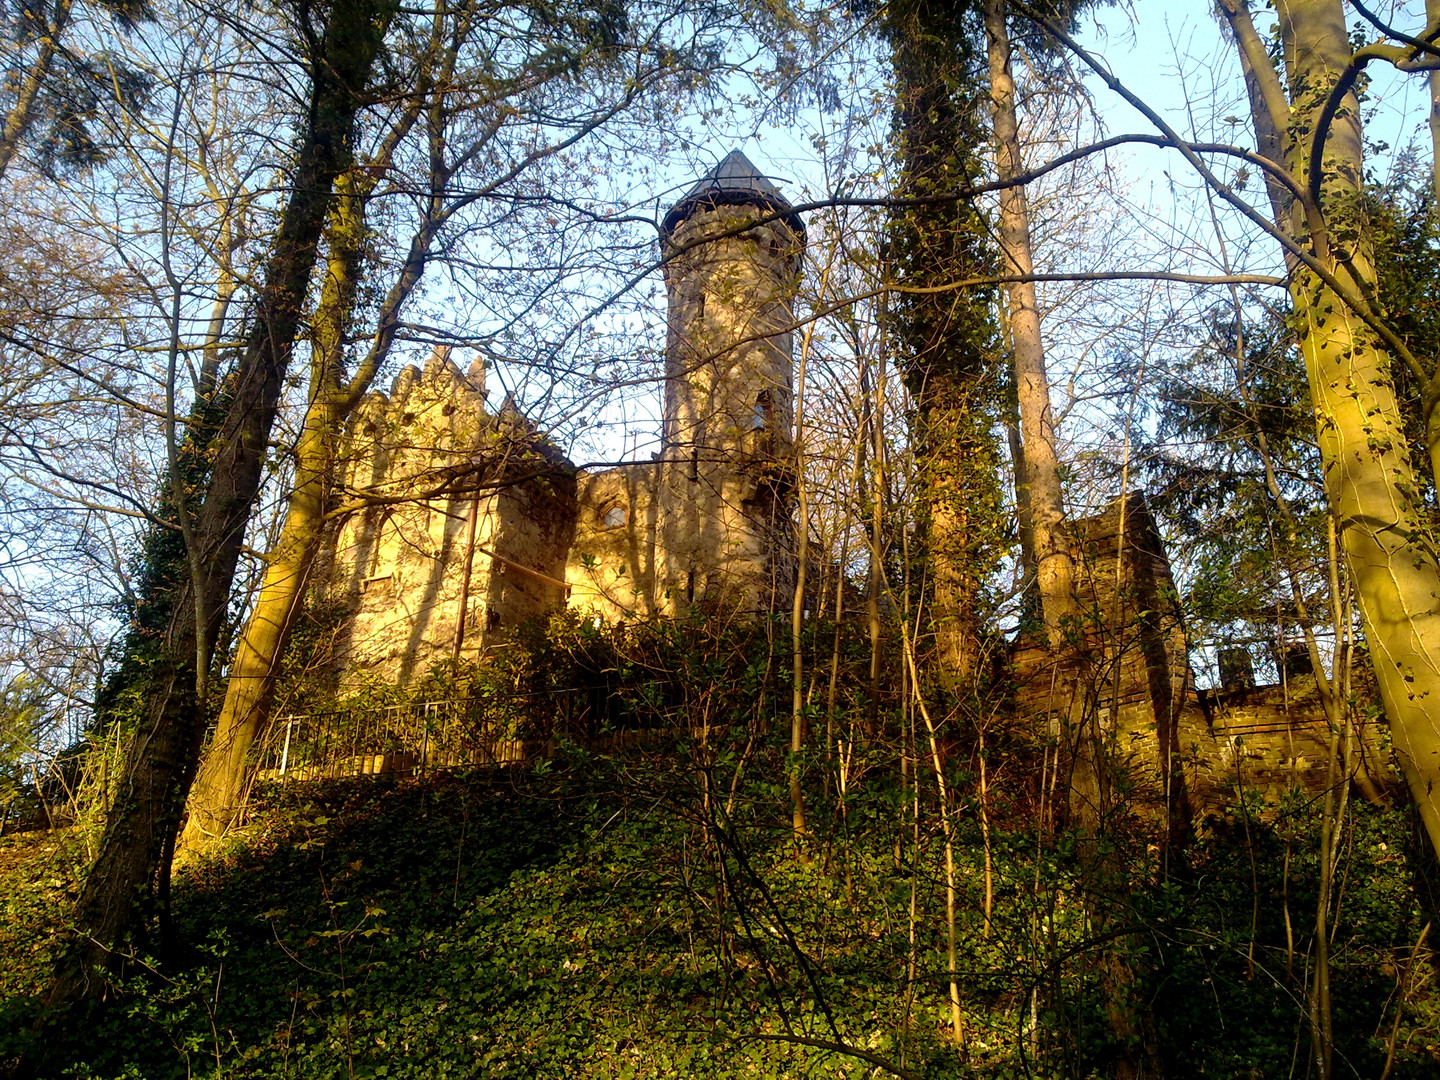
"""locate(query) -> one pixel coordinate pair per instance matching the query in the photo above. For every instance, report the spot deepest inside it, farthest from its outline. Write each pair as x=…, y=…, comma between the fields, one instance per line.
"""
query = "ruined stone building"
x=1182, y=751
x=476, y=522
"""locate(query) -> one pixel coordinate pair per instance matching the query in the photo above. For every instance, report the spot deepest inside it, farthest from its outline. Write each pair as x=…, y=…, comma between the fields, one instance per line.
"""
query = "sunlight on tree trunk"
x=141, y=828
x=1042, y=496
x=251, y=682
x=1369, y=481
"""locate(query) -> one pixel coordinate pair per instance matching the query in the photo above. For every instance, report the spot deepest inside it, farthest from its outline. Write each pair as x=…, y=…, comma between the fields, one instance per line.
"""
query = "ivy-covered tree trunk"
x=140, y=830
x=946, y=340
x=250, y=684
x=1370, y=483
x=249, y=691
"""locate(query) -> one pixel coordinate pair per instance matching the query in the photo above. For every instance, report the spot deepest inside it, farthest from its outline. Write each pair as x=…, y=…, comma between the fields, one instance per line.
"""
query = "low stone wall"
x=1274, y=739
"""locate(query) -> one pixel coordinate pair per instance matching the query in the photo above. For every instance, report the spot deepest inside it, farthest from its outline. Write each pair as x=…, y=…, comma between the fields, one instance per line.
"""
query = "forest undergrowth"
x=649, y=913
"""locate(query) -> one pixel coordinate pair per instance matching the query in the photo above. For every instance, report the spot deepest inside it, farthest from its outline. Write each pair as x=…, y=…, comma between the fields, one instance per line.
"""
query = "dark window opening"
x=764, y=413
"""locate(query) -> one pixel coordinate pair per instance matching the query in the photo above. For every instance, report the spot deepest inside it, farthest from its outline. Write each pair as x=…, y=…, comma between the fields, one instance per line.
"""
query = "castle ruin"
x=474, y=522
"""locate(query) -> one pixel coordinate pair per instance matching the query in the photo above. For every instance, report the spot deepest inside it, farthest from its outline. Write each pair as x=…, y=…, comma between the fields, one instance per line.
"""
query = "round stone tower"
x=724, y=502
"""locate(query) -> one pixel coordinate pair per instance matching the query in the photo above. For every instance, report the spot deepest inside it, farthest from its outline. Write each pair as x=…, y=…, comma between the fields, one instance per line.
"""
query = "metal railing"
x=410, y=739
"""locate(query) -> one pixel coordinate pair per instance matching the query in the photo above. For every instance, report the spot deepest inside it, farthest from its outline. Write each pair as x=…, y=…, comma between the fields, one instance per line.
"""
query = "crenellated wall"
x=447, y=487
x=467, y=523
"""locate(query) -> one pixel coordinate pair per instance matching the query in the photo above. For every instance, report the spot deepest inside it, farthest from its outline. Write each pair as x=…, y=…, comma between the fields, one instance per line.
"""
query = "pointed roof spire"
x=736, y=172
x=735, y=181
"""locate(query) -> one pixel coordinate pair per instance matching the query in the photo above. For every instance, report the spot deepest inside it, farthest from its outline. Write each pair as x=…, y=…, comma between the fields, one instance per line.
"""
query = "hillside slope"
x=605, y=918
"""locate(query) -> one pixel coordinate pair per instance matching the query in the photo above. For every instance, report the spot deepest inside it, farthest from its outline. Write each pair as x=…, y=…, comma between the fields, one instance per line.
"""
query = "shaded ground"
x=583, y=922
x=445, y=927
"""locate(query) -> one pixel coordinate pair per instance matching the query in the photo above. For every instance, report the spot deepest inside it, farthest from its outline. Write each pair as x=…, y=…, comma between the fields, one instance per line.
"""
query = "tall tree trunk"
x=872, y=444
x=1040, y=477
x=1369, y=481
x=1053, y=552
x=946, y=342
x=1025, y=534
x=1039, y=495
x=251, y=682
x=249, y=692
x=140, y=830
x=799, y=723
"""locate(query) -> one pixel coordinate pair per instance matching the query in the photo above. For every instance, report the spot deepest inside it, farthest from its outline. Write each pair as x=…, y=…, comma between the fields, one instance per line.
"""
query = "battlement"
x=466, y=522
x=1185, y=751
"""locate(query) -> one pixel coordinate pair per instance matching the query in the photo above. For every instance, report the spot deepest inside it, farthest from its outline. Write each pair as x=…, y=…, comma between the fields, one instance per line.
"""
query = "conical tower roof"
x=734, y=182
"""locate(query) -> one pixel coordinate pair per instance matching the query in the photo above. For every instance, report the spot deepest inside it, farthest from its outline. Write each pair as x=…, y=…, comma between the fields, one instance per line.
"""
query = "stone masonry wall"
x=1187, y=752
x=612, y=567
x=723, y=529
x=1136, y=678
x=431, y=462
x=473, y=523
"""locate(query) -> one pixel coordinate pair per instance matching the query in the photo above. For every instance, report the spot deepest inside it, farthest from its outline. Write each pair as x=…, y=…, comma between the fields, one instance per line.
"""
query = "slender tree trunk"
x=798, y=724
x=1024, y=530
x=1332, y=815
x=832, y=690
x=1043, y=499
x=942, y=793
x=1040, y=495
x=250, y=687
x=984, y=813
x=872, y=439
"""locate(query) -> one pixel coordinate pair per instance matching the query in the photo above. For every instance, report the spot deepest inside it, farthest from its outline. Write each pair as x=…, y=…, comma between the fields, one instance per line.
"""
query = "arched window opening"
x=613, y=516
